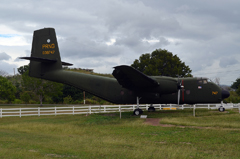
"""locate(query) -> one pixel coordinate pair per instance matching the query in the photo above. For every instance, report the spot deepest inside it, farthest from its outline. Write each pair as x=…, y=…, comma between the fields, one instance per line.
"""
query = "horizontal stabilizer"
x=66, y=64
x=44, y=60
x=131, y=78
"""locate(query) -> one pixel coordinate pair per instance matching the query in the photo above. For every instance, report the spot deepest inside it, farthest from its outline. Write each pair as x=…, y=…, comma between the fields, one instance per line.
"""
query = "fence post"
x=182, y=107
x=208, y=106
x=160, y=106
x=55, y=111
x=20, y=112
x=38, y=111
x=170, y=106
x=104, y=108
x=1, y=113
x=90, y=109
x=73, y=110
x=239, y=109
x=120, y=111
x=194, y=110
x=146, y=107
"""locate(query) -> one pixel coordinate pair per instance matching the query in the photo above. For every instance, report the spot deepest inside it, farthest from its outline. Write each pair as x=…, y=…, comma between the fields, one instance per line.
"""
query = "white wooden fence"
x=38, y=111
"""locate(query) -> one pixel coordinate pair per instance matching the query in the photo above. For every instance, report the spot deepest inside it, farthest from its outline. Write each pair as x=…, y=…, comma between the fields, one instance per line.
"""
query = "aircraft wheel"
x=221, y=109
x=137, y=112
x=151, y=109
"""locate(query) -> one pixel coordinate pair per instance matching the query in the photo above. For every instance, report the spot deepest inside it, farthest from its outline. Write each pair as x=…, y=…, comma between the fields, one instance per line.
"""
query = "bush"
x=48, y=100
x=17, y=101
x=33, y=102
x=91, y=101
x=77, y=102
x=67, y=100
x=3, y=101
x=25, y=97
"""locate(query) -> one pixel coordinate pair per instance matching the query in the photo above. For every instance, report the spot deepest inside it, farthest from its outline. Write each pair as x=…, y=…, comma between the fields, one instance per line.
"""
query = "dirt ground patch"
x=156, y=122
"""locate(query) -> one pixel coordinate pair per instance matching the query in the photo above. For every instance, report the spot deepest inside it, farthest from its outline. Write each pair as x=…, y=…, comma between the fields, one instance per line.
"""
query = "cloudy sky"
x=205, y=34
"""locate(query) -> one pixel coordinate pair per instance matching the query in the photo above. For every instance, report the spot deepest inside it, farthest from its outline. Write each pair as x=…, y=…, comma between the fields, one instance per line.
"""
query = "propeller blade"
x=178, y=96
x=179, y=87
x=182, y=87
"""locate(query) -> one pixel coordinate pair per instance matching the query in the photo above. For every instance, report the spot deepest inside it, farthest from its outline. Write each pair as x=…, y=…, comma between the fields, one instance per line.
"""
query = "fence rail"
x=38, y=111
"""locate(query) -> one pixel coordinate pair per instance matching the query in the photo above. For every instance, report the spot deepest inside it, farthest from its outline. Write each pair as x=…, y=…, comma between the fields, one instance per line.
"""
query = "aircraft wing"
x=131, y=78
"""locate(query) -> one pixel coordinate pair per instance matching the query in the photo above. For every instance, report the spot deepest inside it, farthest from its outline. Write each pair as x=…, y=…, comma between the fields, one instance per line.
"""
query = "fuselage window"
x=209, y=80
x=204, y=81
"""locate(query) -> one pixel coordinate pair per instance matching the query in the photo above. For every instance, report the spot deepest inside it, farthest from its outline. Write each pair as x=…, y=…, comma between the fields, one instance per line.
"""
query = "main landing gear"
x=151, y=108
x=137, y=111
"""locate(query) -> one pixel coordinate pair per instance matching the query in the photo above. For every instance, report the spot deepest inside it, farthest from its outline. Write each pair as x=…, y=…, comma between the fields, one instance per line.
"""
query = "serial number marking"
x=48, y=52
x=48, y=46
x=214, y=93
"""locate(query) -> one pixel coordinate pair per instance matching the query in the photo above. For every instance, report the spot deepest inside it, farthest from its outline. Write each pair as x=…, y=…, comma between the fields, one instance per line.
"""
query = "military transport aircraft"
x=129, y=85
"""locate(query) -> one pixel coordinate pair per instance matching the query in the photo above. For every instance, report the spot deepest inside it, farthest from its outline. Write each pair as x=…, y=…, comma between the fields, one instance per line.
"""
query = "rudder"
x=45, y=56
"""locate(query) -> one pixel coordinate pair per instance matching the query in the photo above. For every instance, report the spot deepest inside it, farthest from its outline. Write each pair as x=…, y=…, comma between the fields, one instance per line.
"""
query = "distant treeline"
x=22, y=89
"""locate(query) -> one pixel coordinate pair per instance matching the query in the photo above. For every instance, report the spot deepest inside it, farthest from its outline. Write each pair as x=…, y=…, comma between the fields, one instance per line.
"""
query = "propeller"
x=180, y=85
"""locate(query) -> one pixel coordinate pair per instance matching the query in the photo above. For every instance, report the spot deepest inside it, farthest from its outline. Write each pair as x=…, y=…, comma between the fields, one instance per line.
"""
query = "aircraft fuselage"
x=195, y=90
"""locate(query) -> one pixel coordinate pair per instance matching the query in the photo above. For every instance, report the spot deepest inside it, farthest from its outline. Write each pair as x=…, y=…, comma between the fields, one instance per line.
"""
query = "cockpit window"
x=200, y=81
x=204, y=81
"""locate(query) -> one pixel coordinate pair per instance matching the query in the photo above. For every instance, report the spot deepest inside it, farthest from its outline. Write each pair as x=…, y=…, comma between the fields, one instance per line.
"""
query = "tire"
x=221, y=109
x=137, y=112
x=151, y=109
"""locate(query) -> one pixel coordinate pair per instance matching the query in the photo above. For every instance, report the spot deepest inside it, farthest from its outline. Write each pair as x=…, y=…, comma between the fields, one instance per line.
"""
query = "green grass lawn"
x=107, y=136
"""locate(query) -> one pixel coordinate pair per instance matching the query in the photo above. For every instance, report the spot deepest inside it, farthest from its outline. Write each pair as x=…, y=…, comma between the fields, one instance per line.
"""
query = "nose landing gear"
x=221, y=108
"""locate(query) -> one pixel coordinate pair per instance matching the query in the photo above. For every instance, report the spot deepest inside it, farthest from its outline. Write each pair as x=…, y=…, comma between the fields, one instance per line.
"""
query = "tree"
x=7, y=90
x=236, y=84
x=23, y=69
x=233, y=98
x=162, y=63
x=41, y=87
x=25, y=97
x=238, y=91
x=16, y=81
x=73, y=92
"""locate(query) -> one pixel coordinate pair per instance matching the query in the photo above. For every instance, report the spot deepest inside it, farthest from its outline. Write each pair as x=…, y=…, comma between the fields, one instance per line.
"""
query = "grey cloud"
x=78, y=48
x=199, y=32
x=27, y=54
x=228, y=61
x=142, y=21
x=128, y=41
x=4, y=56
x=6, y=67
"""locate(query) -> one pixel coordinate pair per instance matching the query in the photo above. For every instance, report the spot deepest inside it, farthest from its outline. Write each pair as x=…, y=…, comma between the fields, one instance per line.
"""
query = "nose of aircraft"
x=225, y=94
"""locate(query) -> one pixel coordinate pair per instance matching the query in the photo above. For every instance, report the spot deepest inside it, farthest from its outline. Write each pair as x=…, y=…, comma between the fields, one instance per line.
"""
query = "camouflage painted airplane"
x=129, y=85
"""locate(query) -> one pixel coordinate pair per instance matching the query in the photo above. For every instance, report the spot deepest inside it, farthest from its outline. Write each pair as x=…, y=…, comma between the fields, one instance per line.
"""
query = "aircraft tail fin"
x=45, y=56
